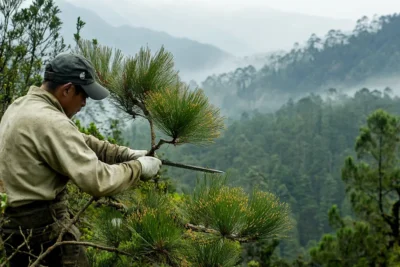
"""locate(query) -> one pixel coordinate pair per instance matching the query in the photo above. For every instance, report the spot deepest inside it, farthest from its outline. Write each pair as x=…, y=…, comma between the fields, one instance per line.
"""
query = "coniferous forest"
x=301, y=152
x=313, y=182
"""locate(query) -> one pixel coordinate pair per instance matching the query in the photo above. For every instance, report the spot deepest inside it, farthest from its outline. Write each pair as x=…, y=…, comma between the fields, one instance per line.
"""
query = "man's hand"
x=150, y=167
x=135, y=154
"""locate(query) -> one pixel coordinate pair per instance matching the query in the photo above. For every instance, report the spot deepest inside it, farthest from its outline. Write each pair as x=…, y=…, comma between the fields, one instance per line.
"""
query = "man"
x=41, y=150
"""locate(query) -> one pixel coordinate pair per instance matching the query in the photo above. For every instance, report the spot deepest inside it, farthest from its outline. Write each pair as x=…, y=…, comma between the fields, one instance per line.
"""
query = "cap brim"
x=96, y=91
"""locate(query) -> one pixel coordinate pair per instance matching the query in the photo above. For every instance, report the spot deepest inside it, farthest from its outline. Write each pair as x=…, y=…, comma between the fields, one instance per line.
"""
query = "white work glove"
x=135, y=154
x=150, y=167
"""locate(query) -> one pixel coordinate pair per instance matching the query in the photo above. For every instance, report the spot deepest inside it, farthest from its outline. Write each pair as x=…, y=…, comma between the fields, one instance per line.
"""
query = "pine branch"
x=202, y=229
x=114, y=204
x=160, y=143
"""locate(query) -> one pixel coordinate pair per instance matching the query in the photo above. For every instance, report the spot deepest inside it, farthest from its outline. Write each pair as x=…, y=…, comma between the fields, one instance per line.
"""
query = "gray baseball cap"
x=76, y=69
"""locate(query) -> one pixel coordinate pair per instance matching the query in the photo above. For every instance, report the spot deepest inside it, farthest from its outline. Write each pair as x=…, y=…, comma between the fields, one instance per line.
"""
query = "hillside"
x=297, y=152
x=369, y=56
x=189, y=55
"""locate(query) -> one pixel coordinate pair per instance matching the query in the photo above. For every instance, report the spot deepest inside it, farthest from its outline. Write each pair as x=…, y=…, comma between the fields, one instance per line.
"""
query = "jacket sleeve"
x=64, y=149
x=107, y=152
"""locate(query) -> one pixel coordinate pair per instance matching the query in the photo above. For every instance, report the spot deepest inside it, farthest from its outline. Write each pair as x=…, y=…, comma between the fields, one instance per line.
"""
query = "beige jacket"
x=41, y=149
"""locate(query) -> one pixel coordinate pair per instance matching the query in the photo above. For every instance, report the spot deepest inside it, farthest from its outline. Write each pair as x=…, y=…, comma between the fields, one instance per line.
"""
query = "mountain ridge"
x=220, y=27
x=189, y=55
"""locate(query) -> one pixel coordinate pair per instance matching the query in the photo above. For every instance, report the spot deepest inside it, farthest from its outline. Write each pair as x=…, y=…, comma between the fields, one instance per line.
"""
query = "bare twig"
x=26, y=239
x=89, y=244
x=160, y=143
x=8, y=238
x=17, y=250
x=152, y=132
x=75, y=219
x=86, y=244
x=63, y=231
x=28, y=253
x=114, y=204
x=202, y=229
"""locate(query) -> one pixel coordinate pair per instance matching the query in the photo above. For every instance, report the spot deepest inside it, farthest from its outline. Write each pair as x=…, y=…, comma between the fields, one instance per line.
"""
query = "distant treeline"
x=335, y=60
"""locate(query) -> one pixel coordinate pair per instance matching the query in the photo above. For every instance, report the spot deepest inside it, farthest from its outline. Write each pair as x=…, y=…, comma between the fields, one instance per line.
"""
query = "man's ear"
x=66, y=88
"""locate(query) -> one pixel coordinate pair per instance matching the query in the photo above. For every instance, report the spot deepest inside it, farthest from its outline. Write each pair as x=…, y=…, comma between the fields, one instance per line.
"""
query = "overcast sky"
x=333, y=8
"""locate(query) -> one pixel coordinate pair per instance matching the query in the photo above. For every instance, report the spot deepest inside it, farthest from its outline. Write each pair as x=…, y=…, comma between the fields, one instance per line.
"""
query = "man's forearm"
x=107, y=152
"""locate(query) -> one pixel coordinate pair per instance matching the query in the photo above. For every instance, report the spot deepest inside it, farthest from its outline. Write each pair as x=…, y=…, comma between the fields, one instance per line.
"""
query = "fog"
x=242, y=28
x=238, y=27
x=248, y=30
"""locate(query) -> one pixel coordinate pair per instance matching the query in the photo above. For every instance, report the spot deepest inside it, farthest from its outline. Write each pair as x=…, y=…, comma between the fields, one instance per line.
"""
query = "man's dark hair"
x=52, y=85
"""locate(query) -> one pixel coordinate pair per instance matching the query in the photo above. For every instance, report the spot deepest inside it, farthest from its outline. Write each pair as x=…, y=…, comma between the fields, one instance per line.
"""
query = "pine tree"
x=372, y=184
x=154, y=224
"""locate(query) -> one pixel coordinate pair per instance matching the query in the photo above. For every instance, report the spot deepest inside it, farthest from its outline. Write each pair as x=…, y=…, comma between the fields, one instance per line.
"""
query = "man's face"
x=72, y=99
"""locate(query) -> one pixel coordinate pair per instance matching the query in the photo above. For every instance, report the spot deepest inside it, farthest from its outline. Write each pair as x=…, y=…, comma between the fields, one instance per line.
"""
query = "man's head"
x=71, y=79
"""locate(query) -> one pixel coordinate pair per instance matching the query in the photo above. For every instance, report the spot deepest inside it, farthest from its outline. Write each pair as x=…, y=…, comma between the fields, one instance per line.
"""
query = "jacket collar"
x=48, y=97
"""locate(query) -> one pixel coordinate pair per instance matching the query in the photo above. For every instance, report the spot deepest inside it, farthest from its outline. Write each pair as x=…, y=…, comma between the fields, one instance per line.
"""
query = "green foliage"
x=3, y=202
x=101, y=258
x=110, y=228
x=253, y=264
x=266, y=216
x=29, y=37
x=130, y=78
x=373, y=188
x=184, y=115
x=372, y=182
x=107, y=62
x=156, y=237
x=146, y=72
x=147, y=85
x=352, y=245
x=91, y=130
x=209, y=252
x=152, y=231
x=114, y=137
x=264, y=254
x=149, y=230
x=296, y=153
x=234, y=214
